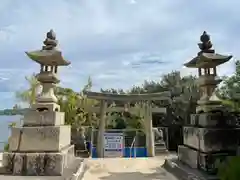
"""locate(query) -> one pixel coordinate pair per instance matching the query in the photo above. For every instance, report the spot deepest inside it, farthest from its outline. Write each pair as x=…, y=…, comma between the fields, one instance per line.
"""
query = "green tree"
x=71, y=102
x=68, y=104
x=29, y=95
x=230, y=169
x=184, y=90
x=76, y=105
x=120, y=123
x=85, y=104
x=229, y=90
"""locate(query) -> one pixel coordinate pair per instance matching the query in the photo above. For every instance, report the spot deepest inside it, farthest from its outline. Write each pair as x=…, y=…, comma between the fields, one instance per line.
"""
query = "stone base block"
x=211, y=120
x=184, y=172
x=188, y=156
x=43, y=118
x=211, y=139
x=38, y=164
x=39, y=139
x=46, y=106
x=206, y=162
x=209, y=107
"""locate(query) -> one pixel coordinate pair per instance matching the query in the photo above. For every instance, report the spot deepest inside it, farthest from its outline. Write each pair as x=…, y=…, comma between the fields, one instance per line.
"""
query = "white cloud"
x=133, y=1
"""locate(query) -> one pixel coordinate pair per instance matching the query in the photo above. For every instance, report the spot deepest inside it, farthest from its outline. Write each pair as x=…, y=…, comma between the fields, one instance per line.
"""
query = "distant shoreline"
x=12, y=112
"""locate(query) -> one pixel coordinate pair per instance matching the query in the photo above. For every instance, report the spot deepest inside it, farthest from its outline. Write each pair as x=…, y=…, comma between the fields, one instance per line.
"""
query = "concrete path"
x=126, y=169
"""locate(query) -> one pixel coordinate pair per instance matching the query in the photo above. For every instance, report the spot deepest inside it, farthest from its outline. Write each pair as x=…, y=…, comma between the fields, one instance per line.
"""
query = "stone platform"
x=207, y=162
x=74, y=172
x=38, y=164
x=44, y=118
x=184, y=172
x=206, y=147
x=39, y=139
x=211, y=139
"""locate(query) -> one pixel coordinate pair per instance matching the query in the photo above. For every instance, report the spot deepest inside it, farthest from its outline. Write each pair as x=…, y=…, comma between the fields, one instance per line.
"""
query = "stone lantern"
x=211, y=135
x=42, y=146
x=206, y=62
x=49, y=59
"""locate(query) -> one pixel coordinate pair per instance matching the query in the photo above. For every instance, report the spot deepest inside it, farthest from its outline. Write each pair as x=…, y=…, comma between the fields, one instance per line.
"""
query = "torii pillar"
x=101, y=129
x=149, y=129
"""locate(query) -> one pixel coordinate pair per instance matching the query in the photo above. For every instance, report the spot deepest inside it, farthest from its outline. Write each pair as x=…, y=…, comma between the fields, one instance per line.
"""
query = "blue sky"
x=117, y=42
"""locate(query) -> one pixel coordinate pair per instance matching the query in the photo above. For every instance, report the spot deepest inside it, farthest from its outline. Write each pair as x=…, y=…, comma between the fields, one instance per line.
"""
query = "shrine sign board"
x=113, y=144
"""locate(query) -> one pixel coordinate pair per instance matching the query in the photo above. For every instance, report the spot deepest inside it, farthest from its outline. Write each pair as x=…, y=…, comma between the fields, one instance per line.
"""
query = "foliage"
x=184, y=91
x=230, y=89
x=120, y=123
x=113, y=91
x=72, y=104
x=231, y=85
x=6, y=147
x=76, y=105
x=135, y=122
x=69, y=101
x=12, y=124
x=29, y=96
x=230, y=170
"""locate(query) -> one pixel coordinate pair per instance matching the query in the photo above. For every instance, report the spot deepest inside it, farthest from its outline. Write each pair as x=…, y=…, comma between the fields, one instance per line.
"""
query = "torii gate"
x=146, y=108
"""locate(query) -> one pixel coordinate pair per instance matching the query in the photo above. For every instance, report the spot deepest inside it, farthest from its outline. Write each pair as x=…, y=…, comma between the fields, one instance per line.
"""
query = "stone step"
x=160, y=145
x=82, y=153
x=160, y=142
x=160, y=149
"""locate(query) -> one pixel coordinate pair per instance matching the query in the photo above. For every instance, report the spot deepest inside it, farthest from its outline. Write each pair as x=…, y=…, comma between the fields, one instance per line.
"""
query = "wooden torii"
x=144, y=100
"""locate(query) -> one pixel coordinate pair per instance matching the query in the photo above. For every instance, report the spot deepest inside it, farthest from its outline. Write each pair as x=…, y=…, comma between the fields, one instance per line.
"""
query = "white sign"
x=113, y=144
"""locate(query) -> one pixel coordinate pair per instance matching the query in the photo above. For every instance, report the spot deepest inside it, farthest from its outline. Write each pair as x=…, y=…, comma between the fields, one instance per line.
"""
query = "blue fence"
x=140, y=152
x=130, y=136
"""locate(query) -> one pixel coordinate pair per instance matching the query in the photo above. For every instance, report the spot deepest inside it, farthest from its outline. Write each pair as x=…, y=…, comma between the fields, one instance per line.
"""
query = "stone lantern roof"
x=207, y=58
x=49, y=55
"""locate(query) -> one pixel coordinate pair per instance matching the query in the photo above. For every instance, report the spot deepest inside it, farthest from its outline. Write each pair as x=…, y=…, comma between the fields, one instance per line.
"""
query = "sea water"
x=4, y=128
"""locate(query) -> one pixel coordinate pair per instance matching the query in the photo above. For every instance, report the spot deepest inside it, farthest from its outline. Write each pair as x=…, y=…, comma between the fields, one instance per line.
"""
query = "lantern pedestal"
x=42, y=146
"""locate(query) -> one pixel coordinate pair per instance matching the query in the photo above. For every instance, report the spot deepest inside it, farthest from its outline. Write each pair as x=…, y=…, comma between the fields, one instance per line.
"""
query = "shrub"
x=230, y=170
x=6, y=147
